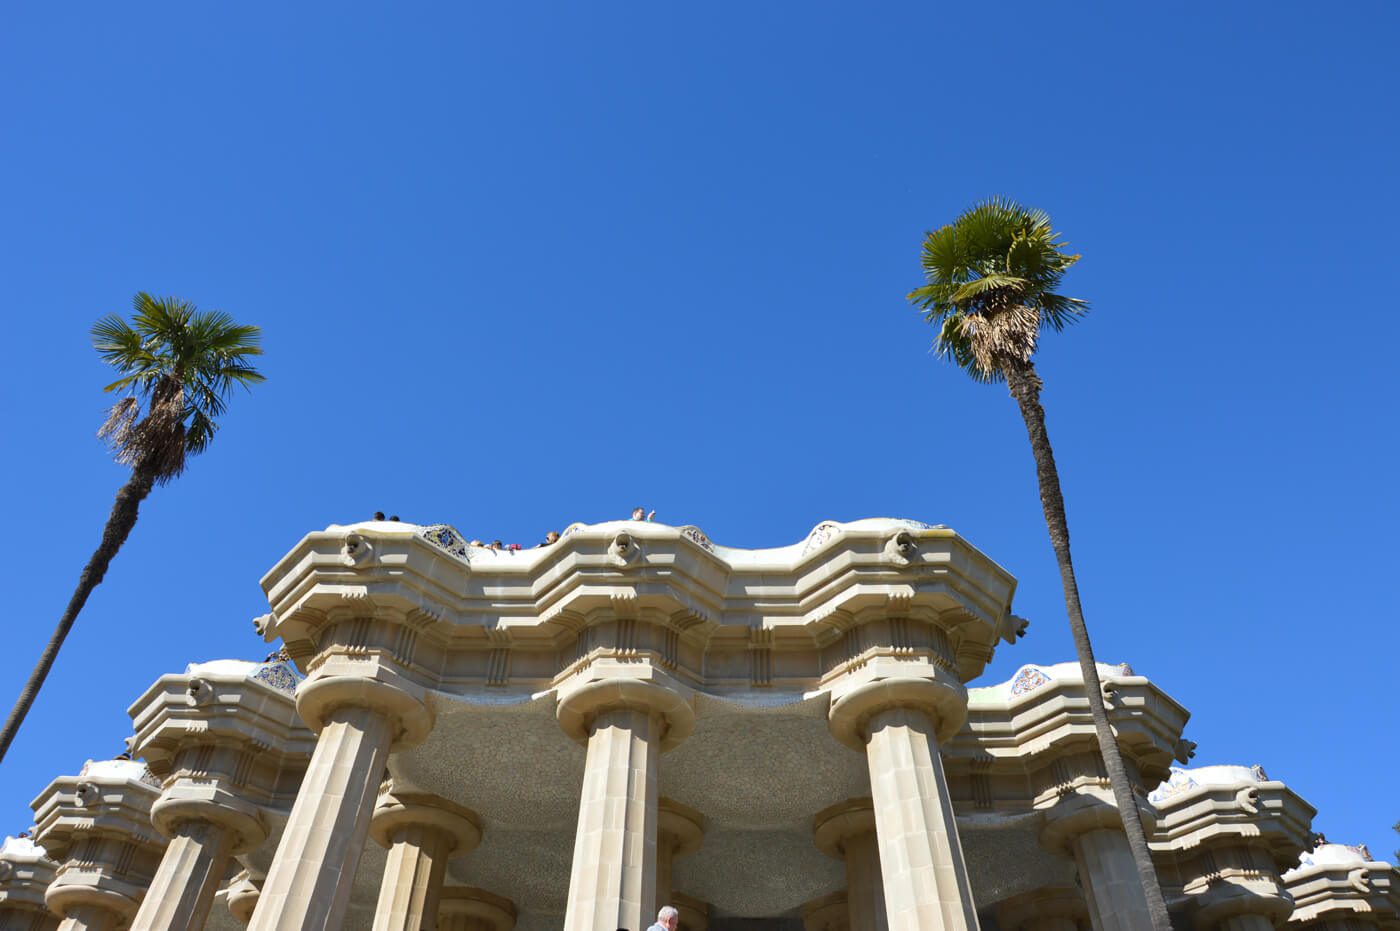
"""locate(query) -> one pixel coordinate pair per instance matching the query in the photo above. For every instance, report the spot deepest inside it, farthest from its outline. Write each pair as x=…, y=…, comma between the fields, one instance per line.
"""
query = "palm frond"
x=182, y=363
x=995, y=259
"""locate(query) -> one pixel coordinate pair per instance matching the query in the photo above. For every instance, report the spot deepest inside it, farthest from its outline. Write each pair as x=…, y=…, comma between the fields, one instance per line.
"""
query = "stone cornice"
x=1335, y=881
x=1230, y=805
x=804, y=596
x=1042, y=712
x=25, y=874
x=226, y=704
x=108, y=797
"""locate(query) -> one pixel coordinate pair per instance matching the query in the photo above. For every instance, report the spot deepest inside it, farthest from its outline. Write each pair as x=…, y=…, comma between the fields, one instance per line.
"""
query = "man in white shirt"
x=667, y=919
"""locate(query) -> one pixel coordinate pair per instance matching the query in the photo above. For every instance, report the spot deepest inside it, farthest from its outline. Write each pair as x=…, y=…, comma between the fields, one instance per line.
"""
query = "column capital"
x=398, y=808
x=487, y=909
x=371, y=682
x=833, y=826
x=214, y=802
x=607, y=685
x=893, y=685
x=1085, y=808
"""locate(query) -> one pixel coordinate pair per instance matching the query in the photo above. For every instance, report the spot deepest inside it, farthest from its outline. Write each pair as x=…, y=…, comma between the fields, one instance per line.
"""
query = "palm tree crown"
x=180, y=363
x=992, y=278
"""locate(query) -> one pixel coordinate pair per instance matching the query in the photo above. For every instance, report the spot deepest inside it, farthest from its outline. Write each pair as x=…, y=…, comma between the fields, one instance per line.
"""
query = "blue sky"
x=524, y=264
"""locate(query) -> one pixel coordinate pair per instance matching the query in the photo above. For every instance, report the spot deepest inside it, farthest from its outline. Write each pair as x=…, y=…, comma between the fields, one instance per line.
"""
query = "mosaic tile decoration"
x=1028, y=679
x=820, y=535
x=1178, y=782
x=445, y=537
x=697, y=536
x=279, y=675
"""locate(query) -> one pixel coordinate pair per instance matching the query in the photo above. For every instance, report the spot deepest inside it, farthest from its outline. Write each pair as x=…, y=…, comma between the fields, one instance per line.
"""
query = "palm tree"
x=993, y=275
x=178, y=365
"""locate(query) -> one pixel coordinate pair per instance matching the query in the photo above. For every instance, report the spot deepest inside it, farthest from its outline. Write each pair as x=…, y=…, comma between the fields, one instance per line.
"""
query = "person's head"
x=552, y=537
x=668, y=917
x=639, y=513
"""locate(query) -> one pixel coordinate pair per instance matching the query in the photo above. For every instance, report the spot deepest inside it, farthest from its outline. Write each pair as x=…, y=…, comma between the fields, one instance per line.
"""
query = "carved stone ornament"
x=88, y=794
x=624, y=550
x=356, y=551
x=200, y=691
x=901, y=549
x=1185, y=751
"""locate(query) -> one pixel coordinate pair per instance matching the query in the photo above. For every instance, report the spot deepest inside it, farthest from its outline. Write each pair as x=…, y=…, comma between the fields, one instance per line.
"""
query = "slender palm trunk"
x=119, y=524
x=1025, y=387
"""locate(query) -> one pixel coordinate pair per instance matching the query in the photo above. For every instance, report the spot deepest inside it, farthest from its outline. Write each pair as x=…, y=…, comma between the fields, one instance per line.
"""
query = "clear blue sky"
x=532, y=263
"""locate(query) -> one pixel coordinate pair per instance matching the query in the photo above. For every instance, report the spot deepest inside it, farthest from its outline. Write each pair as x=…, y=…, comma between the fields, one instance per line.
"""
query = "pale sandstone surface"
x=779, y=738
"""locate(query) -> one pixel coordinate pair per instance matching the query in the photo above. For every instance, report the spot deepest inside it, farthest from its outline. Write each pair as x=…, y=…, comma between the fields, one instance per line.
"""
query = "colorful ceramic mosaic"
x=819, y=535
x=696, y=536
x=1028, y=679
x=1178, y=782
x=445, y=537
x=280, y=676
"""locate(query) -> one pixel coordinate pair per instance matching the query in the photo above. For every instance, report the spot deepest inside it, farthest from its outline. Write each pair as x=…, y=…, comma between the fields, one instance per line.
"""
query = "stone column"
x=626, y=715
x=847, y=830
x=97, y=827
x=182, y=891
x=1054, y=908
x=362, y=708
x=466, y=909
x=25, y=872
x=1086, y=823
x=900, y=720
x=421, y=832
x=679, y=833
x=223, y=738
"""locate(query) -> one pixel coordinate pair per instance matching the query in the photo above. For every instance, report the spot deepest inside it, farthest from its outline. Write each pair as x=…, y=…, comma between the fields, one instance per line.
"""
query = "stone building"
x=456, y=737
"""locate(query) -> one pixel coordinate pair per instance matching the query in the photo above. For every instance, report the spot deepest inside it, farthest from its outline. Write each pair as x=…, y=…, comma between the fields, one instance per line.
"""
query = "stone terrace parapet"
x=453, y=616
x=1340, y=886
x=1031, y=739
x=25, y=874
x=1226, y=833
x=97, y=826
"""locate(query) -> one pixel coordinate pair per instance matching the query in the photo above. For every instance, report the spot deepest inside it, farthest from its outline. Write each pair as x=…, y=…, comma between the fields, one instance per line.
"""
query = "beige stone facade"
x=571, y=736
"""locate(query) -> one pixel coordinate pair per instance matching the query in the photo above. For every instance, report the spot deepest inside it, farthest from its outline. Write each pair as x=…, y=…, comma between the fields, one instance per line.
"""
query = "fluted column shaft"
x=613, y=880
x=308, y=886
x=413, y=875
x=90, y=918
x=182, y=892
x=921, y=859
x=1110, y=880
x=865, y=889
